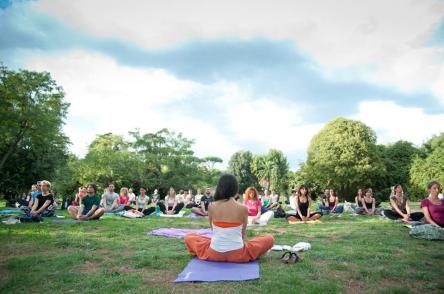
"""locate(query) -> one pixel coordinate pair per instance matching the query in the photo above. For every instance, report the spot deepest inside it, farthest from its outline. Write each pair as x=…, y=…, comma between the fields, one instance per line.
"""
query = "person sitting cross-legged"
x=303, y=204
x=43, y=204
x=400, y=205
x=89, y=206
x=228, y=219
x=204, y=203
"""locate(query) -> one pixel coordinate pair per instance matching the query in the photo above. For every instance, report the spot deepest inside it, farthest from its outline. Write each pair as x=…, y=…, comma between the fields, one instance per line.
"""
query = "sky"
x=235, y=75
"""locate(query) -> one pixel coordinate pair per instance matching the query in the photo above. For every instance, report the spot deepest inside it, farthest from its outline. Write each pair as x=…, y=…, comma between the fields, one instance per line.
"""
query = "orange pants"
x=200, y=246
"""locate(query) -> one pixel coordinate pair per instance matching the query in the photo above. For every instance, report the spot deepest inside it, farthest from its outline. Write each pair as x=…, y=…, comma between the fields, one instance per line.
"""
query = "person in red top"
x=254, y=205
x=124, y=199
x=432, y=206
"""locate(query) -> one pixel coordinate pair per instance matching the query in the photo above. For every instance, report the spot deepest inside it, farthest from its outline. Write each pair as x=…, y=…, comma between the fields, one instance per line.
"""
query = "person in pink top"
x=433, y=209
x=432, y=206
x=124, y=200
x=254, y=205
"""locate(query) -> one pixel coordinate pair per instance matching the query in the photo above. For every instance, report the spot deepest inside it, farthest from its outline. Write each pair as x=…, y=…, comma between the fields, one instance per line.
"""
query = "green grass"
x=350, y=254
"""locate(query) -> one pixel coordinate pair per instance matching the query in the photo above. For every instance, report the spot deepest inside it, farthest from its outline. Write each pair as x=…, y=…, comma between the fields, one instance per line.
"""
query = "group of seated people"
x=260, y=209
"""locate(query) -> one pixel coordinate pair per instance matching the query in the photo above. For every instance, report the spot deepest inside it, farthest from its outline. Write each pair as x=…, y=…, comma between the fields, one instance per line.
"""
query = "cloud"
x=383, y=42
x=393, y=122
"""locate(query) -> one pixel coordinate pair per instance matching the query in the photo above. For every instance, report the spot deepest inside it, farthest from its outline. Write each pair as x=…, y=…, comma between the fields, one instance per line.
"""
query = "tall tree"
x=428, y=165
x=343, y=155
x=32, y=113
x=271, y=169
x=240, y=166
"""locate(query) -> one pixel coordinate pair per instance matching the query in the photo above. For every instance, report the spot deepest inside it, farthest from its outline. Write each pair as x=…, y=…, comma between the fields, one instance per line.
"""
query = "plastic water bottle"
x=157, y=210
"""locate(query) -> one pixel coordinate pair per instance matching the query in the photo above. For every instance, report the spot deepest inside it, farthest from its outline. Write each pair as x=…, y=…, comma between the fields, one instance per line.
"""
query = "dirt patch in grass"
x=413, y=285
x=354, y=287
x=280, y=230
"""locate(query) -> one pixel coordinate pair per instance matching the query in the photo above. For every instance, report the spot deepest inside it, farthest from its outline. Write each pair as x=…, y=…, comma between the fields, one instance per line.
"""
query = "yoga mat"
x=66, y=221
x=10, y=210
x=193, y=215
x=180, y=233
x=210, y=271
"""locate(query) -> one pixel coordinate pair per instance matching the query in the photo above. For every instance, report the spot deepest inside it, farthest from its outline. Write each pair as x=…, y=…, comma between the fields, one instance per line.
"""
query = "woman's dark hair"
x=92, y=186
x=396, y=186
x=433, y=183
x=306, y=189
x=334, y=192
x=227, y=187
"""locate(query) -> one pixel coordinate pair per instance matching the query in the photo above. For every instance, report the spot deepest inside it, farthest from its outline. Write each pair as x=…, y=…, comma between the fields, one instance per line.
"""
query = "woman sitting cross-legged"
x=204, y=204
x=400, y=204
x=303, y=204
x=89, y=206
x=368, y=203
x=43, y=204
x=228, y=220
x=432, y=206
x=358, y=202
x=254, y=205
x=330, y=203
x=142, y=203
x=433, y=209
x=171, y=205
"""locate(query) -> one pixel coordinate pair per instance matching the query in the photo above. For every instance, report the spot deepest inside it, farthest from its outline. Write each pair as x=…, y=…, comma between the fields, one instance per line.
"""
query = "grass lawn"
x=350, y=254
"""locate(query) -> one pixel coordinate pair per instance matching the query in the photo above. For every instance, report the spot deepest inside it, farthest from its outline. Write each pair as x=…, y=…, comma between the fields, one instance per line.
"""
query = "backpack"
x=280, y=213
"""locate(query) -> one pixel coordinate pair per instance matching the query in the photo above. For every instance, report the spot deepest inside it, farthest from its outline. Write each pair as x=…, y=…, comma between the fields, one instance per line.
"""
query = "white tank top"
x=227, y=236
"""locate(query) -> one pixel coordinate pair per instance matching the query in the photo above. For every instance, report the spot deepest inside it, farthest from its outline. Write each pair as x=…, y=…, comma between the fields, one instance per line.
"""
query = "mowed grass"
x=350, y=254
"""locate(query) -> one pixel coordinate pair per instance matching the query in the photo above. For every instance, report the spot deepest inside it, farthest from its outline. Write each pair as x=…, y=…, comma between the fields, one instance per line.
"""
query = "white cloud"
x=387, y=35
x=107, y=97
x=393, y=122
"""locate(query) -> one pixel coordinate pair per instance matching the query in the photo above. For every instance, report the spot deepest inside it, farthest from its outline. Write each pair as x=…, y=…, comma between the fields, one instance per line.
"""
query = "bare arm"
x=46, y=204
x=395, y=206
x=373, y=205
x=356, y=201
x=363, y=205
x=407, y=206
x=427, y=216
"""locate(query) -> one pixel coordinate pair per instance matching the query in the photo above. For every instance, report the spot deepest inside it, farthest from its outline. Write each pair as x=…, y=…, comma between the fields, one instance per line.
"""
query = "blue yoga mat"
x=10, y=210
x=210, y=271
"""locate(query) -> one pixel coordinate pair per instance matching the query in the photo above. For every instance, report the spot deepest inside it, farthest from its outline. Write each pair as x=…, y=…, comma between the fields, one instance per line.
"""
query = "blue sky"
x=253, y=75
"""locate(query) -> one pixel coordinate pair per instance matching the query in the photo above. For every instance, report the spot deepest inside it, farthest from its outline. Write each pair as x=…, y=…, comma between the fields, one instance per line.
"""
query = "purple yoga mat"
x=180, y=233
x=210, y=271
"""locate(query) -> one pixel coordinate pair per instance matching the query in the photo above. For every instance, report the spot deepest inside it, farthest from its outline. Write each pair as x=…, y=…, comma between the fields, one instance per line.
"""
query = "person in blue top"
x=35, y=194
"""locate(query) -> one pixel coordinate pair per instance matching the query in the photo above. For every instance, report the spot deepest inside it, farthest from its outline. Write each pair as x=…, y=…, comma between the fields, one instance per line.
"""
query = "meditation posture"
x=43, y=204
x=254, y=205
x=358, y=201
x=204, y=204
x=124, y=200
x=110, y=199
x=270, y=201
x=368, y=203
x=89, y=206
x=400, y=205
x=303, y=204
x=228, y=220
x=330, y=204
x=142, y=203
x=432, y=206
x=433, y=209
x=171, y=205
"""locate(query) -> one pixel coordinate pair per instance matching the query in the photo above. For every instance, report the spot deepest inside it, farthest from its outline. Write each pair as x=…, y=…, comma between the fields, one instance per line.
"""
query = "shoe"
x=286, y=257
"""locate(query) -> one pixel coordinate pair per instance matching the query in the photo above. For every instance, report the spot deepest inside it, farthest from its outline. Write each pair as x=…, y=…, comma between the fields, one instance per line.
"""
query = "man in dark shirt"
x=204, y=204
x=89, y=206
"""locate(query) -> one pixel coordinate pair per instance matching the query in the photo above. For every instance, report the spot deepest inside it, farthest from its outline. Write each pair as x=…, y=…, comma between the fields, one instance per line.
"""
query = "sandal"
x=294, y=258
x=286, y=257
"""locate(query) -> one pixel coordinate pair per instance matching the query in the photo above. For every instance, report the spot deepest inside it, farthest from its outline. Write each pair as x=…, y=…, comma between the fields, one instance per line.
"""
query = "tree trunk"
x=14, y=145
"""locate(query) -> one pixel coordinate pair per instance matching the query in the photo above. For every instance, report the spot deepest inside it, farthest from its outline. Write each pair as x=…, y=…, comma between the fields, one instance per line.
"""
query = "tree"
x=397, y=159
x=32, y=113
x=240, y=166
x=428, y=165
x=271, y=169
x=109, y=159
x=210, y=161
x=343, y=155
